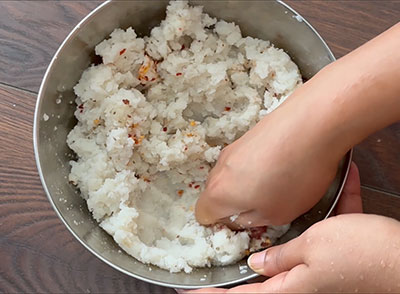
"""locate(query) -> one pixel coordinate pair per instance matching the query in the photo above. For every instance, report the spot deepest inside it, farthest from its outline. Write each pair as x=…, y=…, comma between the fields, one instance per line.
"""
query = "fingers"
x=208, y=211
x=278, y=259
x=215, y=204
x=350, y=200
x=244, y=220
x=297, y=280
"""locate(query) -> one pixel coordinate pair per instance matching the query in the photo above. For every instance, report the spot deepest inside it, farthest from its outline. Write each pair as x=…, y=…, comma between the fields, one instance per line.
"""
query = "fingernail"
x=256, y=261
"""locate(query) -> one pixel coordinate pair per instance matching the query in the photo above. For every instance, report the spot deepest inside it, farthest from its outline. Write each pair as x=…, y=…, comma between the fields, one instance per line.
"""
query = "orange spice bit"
x=180, y=193
x=189, y=135
x=133, y=126
x=178, y=74
x=148, y=70
x=201, y=167
x=138, y=141
x=146, y=180
x=193, y=123
x=247, y=252
x=96, y=121
x=191, y=208
x=197, y=186
x=122, y=51
x=125, y=101
x=227, y=108
x=266, y=243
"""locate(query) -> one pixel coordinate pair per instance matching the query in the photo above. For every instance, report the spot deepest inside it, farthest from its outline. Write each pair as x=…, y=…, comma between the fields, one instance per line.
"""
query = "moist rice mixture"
x=152, y=120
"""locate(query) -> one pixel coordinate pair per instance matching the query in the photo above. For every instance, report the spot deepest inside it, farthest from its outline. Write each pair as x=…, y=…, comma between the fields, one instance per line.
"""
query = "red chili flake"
x=178, y=74
x=197, y=186
x=180, y=192
x=165, y=129
x=122, y=51
x=190, y=185
x=80, y=106
x=186, y=148
x=153, y=79
x=146, y=78
x=129, y=116
x=257, y=232
x=201, y=167
x=183, y=47
x=129, y=135
x=180, y=29
x=227, y=108
x=126, y=101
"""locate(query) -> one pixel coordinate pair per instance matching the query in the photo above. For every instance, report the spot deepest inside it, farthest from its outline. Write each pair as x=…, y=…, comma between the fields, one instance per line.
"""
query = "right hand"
x=274, y=173
x=282, y=167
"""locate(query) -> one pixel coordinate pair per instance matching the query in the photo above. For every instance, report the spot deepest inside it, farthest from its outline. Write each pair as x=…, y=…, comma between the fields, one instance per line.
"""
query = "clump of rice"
x=152, y=120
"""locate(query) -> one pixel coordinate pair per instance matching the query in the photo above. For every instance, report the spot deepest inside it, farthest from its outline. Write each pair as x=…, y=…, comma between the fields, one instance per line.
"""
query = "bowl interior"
x=270, y=20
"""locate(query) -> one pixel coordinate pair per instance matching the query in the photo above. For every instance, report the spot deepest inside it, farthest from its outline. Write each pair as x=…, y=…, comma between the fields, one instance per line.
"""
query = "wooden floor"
x=37, y=253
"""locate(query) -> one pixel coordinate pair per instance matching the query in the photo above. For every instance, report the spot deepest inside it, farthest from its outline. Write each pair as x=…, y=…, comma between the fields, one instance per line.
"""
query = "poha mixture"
x=152, y=120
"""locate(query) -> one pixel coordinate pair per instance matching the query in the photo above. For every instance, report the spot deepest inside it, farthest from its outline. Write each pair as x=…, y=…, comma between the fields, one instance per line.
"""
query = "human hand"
x=283, y=166
x=271, y=177
x=346, y=253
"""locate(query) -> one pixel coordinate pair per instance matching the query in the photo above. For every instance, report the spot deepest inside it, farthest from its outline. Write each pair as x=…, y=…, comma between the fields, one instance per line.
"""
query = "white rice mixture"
x=152, y=120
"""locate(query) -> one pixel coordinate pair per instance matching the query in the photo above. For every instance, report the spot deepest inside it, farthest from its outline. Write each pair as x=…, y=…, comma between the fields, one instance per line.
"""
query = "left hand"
x=347, y=253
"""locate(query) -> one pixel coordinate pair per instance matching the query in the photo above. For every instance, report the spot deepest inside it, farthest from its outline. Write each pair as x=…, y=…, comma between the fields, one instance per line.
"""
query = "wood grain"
x=37, y=252
x=30, y=34
x=378, y=202
x=379, y=160
x=346, y=25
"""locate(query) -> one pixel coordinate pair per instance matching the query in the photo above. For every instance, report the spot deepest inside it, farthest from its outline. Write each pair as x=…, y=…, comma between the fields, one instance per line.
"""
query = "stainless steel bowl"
x=269, y=20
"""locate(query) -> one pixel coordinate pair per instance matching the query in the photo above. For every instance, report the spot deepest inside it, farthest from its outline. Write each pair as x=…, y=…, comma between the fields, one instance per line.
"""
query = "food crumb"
x=45, y=117
x=233, y=218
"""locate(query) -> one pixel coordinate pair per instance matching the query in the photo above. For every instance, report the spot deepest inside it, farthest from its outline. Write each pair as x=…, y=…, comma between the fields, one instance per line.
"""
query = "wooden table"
x=37, y=253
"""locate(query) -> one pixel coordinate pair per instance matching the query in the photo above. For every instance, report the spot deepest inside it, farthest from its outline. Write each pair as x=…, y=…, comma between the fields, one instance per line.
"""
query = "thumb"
x=350, y=200
x=278, y=259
